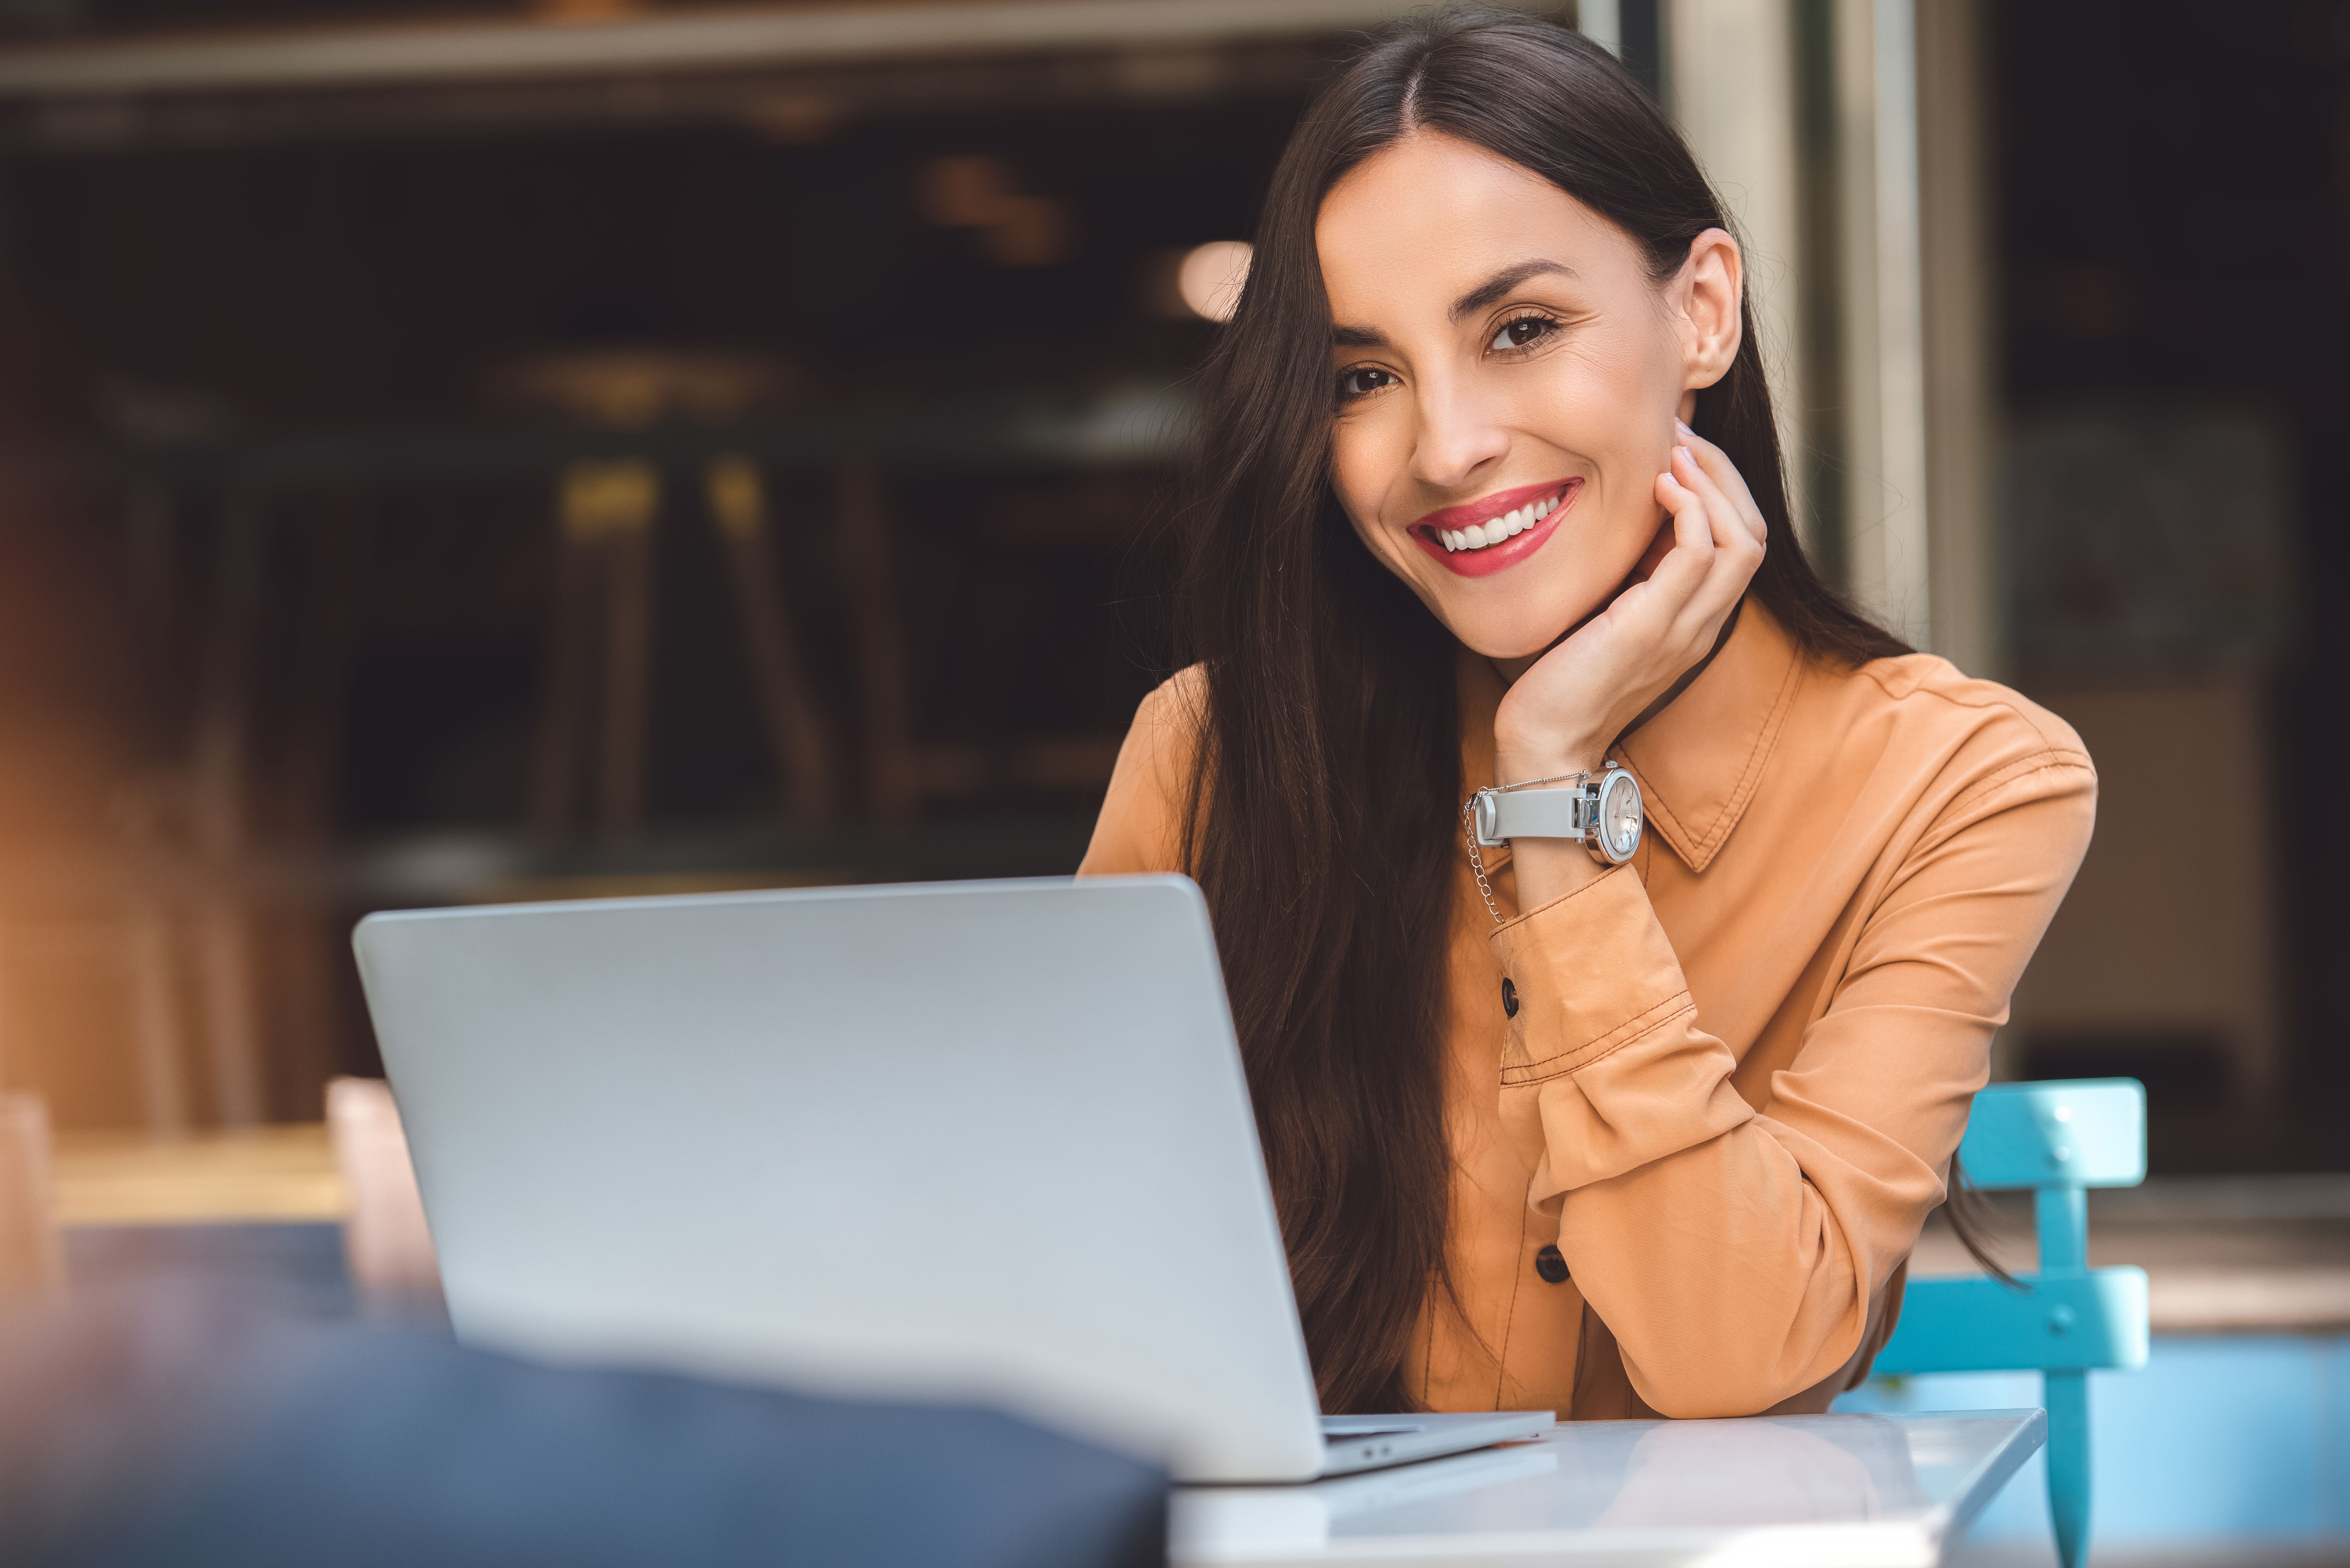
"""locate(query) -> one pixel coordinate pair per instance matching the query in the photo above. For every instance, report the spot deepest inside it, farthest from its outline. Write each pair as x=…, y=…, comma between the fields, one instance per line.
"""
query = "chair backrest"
x=387, y=1245
x=2083, y=1132
x=29, y=1259
x=2060, y=1139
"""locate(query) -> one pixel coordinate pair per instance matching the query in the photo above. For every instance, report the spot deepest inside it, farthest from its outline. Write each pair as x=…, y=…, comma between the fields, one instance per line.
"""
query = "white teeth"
x=1493, y=530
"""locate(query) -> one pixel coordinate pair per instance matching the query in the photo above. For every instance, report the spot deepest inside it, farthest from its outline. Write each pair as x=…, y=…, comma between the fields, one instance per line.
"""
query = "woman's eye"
x=1525, y=329
x=1363, y=381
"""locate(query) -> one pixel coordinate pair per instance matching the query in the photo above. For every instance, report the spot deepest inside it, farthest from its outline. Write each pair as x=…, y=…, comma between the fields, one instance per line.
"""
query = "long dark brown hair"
x=1323, y=821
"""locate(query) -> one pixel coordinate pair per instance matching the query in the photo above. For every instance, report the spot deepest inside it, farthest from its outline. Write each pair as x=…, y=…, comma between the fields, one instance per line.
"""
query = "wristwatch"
x=1602, y=810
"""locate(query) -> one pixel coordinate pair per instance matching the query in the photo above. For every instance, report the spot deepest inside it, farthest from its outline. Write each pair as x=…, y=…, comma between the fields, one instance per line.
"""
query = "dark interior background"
x=314, y=321
x=2174, y=222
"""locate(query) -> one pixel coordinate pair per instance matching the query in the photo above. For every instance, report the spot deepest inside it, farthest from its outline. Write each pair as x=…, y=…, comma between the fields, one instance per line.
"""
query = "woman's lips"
x=1491, y=558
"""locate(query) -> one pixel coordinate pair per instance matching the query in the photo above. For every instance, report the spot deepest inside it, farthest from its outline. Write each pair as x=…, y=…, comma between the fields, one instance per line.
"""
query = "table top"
x=1819, y=1492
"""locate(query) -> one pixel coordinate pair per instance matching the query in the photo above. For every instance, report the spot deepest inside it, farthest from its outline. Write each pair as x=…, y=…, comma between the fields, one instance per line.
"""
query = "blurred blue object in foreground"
x=191, y=1427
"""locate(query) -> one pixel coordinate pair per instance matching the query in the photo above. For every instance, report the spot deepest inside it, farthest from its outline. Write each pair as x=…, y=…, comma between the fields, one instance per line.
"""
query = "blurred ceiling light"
x=973, y=191
x=962, y=192
x=1210, y=278
x=1029, y=231
x=793, y=119
x=583, y=11
x=636, y=389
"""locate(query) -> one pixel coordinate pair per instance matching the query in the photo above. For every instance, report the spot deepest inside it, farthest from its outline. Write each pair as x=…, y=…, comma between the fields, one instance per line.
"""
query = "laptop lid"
x=972, y=1140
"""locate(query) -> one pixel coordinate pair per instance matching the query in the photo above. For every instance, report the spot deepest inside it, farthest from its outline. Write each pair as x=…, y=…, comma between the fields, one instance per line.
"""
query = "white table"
x=1800, y=1492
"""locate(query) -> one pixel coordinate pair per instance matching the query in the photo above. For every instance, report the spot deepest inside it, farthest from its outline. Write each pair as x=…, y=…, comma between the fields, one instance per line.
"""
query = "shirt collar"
x=1700, y=760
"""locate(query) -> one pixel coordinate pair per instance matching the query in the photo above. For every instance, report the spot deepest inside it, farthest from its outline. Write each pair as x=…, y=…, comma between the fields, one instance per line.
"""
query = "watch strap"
x=1543, y=812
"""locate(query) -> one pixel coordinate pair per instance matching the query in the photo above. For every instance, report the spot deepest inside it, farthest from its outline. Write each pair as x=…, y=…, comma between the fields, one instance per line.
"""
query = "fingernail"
x=1683, y=429
x=1685, y=452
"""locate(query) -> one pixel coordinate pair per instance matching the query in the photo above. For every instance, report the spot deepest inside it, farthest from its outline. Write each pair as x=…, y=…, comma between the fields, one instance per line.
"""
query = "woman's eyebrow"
x=1501, y=281
x=1477, y=298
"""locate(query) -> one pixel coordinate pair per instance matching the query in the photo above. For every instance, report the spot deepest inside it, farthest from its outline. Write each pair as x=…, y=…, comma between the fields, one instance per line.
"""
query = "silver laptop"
x=978, y=1140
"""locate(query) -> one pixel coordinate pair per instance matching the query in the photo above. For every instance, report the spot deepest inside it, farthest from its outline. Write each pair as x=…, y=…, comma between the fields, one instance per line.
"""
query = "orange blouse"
x=1740, y=1064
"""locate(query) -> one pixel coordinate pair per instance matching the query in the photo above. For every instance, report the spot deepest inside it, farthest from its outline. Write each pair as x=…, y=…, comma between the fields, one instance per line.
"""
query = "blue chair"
x=2059, y=1140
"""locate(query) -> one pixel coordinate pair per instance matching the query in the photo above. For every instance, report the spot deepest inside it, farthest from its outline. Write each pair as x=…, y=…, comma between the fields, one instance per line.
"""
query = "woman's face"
x=1507, y=378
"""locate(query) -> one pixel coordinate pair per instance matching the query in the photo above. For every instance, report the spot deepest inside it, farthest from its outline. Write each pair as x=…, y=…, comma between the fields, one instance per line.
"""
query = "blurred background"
x=581, y=447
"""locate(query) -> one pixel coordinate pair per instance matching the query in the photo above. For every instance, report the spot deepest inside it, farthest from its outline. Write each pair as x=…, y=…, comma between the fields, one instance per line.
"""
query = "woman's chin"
x=1522, y=612
x=1496, y=633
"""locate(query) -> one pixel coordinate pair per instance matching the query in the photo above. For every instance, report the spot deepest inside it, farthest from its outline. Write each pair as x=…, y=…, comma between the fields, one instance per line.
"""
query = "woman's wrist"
x=1517, y=760
x=1547, y=868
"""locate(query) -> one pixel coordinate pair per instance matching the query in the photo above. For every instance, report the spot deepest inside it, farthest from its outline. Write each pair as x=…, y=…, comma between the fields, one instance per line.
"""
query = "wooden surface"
x=271, y=1173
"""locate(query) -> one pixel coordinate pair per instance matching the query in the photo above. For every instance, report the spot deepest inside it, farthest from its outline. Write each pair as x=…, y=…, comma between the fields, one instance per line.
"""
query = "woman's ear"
x=1707, y=294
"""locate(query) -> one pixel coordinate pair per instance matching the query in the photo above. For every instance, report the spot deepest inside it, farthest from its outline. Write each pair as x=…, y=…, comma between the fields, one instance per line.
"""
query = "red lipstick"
x=1484, y=561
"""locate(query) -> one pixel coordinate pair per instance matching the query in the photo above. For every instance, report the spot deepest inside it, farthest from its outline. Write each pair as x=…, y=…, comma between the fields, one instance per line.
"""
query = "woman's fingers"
x=1736, y=552
x=1716, y=465
x=1728, y=499
x=1730, y=531
x=1691, y=528
x=1685, y=565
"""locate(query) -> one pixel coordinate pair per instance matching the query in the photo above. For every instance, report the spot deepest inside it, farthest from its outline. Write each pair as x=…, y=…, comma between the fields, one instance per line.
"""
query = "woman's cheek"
x=1353, y=469
x=1365, y=470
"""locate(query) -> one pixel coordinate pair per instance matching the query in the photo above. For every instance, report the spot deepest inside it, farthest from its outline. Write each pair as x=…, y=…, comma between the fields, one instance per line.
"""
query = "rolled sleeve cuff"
x=1606, y=1068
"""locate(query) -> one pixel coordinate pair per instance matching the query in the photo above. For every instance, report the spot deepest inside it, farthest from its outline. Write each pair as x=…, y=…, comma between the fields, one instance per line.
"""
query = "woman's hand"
x=1570, y=705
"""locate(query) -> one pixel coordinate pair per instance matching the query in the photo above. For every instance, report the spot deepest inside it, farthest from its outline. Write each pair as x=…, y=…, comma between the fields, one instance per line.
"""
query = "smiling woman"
x=1625, y=1085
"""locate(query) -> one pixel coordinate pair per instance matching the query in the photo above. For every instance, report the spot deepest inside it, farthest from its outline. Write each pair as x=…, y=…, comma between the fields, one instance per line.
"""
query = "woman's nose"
x=1456, y=439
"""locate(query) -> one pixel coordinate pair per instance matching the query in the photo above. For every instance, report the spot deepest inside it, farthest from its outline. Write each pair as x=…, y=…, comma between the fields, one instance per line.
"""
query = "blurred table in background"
x=324, y=1212
x=284, y=1175
x=259, y=1207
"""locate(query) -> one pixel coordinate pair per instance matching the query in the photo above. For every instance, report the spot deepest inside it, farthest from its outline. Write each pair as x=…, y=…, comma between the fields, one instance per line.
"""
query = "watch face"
x=1619, y=816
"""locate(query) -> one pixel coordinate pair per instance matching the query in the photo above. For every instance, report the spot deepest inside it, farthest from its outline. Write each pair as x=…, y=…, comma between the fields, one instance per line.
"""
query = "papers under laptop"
x=973, y=1140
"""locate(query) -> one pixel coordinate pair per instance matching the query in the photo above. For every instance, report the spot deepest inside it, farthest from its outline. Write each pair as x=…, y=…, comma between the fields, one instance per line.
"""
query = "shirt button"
x=1551, y=1266
x=1509, y=998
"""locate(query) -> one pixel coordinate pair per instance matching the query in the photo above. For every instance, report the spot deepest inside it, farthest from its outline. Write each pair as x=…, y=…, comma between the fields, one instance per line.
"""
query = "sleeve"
x=1141, y=828
x=1735, y=1254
